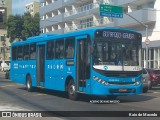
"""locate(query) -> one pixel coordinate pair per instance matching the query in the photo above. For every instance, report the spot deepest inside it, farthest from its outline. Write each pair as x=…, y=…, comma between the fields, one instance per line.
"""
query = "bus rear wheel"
x=29, y=84
x=72, y=91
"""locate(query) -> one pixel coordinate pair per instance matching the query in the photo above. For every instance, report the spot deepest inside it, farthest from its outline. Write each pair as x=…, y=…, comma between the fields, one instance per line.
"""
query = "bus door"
x=40, y=64
x=82, y=63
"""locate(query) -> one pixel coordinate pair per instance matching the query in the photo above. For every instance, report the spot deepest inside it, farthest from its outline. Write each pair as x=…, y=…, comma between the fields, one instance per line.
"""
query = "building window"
x=86, y=23
x=1, y=16
x=152, y=54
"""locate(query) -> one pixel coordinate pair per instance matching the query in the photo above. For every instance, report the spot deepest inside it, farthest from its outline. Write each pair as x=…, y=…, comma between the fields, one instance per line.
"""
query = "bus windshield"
x=116, y=53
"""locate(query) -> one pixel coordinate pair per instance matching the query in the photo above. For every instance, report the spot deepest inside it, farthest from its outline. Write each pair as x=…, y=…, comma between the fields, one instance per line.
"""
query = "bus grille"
x=121, y=83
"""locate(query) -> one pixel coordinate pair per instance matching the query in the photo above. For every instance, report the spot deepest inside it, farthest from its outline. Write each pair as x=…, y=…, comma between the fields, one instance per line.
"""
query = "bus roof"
x=70, y=34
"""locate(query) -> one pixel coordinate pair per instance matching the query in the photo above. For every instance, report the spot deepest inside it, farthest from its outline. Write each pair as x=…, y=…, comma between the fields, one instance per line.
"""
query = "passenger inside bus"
x=33, y=53
x=70, y=52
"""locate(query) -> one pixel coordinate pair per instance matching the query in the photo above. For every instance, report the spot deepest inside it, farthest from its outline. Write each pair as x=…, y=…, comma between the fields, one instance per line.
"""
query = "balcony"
x=99, y=22
x=82, y=11
x=70, y=2
x=50, y=7
x=144, y=16
x=58, y=31
x=51, y=21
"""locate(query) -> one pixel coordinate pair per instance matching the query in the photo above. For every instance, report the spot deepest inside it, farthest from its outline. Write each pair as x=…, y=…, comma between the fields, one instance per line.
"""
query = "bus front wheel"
x=29, y=84
x=72, y=90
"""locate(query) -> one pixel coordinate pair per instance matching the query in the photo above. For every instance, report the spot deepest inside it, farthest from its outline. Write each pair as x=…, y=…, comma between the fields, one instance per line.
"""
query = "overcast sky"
x=18, y=6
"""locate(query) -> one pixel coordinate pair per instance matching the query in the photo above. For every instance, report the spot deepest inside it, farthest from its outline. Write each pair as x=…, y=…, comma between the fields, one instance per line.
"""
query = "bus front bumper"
x=120, y=90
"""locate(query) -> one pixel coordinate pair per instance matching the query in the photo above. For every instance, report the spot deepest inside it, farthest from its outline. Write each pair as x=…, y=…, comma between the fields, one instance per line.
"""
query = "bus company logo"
x=15, y=66
x=105, y=67
x=61, y=66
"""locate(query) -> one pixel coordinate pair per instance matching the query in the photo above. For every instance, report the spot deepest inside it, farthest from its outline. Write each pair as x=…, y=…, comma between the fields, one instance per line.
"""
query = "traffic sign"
x=147, y=41
x=111, y=11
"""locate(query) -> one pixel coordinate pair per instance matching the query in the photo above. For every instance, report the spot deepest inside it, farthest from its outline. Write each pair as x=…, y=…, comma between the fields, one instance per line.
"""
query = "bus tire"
x=29, y=84
x=72, y=90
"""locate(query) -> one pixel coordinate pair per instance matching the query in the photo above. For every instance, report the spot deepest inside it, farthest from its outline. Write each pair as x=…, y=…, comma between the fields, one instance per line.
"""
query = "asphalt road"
x=14, y=97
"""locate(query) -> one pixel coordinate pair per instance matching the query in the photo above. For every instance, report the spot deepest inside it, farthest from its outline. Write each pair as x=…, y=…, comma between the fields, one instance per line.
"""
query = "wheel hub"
x=72, y=89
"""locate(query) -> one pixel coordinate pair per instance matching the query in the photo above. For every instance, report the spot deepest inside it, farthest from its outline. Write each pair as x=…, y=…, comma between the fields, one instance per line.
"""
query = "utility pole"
x=146, y=41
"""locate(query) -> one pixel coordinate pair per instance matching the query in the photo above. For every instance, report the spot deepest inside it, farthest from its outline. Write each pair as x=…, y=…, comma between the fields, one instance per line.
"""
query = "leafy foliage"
x=22, y=27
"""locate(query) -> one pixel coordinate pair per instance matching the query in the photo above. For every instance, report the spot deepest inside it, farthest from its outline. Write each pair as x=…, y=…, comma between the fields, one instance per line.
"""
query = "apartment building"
x=32, y=8
x=5, y=11
x=61, y=16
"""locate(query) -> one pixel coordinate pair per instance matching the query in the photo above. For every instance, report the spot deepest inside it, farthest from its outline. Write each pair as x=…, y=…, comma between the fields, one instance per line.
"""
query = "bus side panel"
x=17, y=72
x=56, y=73
x=20, y=69
x=49, y=74
x=21, y=72
x=31, y=70
x=14, y=71
x=70, y=69
x=60, y=73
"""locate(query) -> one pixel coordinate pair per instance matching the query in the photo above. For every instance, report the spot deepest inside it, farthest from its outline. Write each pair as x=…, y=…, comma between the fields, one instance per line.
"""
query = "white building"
x=32, y=8
x=61, y=16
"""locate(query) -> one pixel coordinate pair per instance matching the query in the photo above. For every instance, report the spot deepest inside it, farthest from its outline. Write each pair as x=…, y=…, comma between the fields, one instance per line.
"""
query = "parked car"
x=7, y=74
x=146, y=80
x=154, y=77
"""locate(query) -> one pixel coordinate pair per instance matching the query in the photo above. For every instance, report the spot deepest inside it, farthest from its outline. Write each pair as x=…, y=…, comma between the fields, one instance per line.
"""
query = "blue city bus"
x=96, y=61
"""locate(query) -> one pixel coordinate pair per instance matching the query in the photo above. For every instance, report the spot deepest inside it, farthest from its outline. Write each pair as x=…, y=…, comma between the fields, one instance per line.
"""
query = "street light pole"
x=147, y=46
x=147, y=40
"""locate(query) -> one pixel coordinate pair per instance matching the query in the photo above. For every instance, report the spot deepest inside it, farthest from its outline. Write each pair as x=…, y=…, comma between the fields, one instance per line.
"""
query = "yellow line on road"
x=40, y=94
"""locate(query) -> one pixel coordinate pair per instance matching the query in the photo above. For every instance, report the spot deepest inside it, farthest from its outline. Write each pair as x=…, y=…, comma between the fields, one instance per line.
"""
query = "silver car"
x=146, y=80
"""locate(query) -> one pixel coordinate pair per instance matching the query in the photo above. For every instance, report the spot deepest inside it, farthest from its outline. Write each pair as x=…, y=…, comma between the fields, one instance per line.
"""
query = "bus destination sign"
x=116, y=34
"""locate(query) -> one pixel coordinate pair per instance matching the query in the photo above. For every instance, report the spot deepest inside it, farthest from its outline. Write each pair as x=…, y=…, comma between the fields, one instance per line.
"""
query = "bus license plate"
x=122, y=90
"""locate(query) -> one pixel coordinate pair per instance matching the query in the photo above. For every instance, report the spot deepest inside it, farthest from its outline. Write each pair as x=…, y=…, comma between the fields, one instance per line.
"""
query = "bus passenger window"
x=33, y=51
x=26, y=52
x=20, y=53
x=50, y=50
x=14, y=53
x=59, y=49
x=69, y=48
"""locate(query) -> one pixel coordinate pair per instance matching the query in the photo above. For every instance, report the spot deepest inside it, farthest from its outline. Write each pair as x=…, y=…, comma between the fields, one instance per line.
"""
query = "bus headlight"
x=100, y=80
x=138, y=82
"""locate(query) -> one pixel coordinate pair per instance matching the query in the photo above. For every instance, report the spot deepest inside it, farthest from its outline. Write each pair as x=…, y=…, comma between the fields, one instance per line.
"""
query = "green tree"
x=22, y=27
x=31, y=25
x=36, y=21
x=15, y=26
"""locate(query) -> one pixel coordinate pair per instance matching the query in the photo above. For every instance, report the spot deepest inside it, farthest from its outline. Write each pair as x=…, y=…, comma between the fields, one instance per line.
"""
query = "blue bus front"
x=116, y=61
